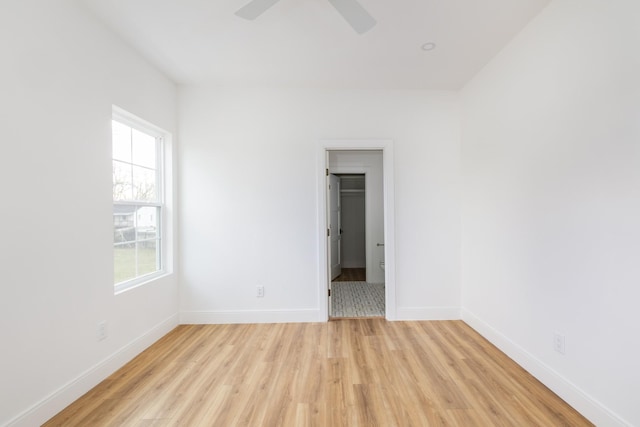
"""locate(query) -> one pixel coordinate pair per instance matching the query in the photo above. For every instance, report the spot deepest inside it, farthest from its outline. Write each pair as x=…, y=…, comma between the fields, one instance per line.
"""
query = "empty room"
x=177, y=177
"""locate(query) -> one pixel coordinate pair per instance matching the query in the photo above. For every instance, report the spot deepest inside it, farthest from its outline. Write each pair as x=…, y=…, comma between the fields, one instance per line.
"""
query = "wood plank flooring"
x=352, y=275
x=357, y=372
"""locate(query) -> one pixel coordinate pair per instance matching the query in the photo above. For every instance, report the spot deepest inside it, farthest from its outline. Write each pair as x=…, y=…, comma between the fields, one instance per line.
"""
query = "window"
x=138, y=199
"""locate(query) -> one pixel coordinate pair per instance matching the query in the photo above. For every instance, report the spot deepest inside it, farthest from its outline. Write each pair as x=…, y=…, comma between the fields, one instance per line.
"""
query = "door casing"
x=324, y=277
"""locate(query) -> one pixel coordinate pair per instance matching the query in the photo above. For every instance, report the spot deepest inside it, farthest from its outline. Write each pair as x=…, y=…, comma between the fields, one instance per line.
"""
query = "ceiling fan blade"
x=255, y=8
x=354, y=14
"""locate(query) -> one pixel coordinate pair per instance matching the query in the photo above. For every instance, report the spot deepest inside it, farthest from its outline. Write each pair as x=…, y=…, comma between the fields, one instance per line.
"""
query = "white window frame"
x=162, y=137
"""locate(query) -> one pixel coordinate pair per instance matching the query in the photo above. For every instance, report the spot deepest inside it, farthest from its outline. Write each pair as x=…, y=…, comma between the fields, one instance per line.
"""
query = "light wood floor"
x=361, y=372
x=352, y=275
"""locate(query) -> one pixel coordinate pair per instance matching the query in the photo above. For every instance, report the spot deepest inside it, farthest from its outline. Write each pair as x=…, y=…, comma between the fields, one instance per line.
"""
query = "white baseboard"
x=68, y=393
x=249, y=316
x=428, y=313
x=589, y=407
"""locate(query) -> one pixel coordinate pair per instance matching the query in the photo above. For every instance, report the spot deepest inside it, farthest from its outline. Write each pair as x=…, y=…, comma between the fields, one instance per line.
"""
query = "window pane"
x=122, y=181
x=144, y=184
x=148, y=257
x=121, y=136
x=124, y=265
x=147, y=222
x=144, y=149
x=124, y=218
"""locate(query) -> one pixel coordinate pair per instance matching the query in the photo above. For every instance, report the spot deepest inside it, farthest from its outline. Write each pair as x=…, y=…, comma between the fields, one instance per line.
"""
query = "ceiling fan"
x=351, y=11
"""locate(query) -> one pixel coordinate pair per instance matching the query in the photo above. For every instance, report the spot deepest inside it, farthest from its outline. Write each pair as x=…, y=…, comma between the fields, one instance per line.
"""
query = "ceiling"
x=306, y=43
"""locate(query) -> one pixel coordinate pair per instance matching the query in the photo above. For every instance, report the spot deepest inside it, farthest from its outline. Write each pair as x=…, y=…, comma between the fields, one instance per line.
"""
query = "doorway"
x=347, y=225
x=386, y=252
x=355, y=196
x=352, y=215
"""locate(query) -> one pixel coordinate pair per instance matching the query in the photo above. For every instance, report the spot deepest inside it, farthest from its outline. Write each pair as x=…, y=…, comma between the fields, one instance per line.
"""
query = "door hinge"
x=327, y=171
x=328, y=233
x=329, y=292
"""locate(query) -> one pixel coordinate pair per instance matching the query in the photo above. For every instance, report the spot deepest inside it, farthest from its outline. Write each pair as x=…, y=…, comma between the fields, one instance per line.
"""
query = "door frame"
x=386, y=146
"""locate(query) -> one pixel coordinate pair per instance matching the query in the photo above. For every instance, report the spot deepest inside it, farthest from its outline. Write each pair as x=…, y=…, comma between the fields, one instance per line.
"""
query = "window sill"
x=123, y=287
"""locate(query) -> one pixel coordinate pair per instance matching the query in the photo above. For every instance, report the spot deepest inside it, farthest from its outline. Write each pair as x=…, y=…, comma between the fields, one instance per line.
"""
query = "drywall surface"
x=60, y=74
x=249, y=199
x=551, y=181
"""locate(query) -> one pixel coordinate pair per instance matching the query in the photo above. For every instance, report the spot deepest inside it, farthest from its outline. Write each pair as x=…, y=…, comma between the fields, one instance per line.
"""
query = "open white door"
x=334, y=225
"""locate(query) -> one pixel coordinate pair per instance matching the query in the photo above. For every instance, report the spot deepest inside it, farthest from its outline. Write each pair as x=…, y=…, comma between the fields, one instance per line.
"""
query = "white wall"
x=60, y=73
x=551, y=172
x=245, y=220
x=369, y=162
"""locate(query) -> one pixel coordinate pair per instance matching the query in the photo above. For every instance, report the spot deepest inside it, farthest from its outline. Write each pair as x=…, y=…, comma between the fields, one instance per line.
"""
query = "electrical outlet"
x=558, y=342
x=102, y=331
x=260, y=293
